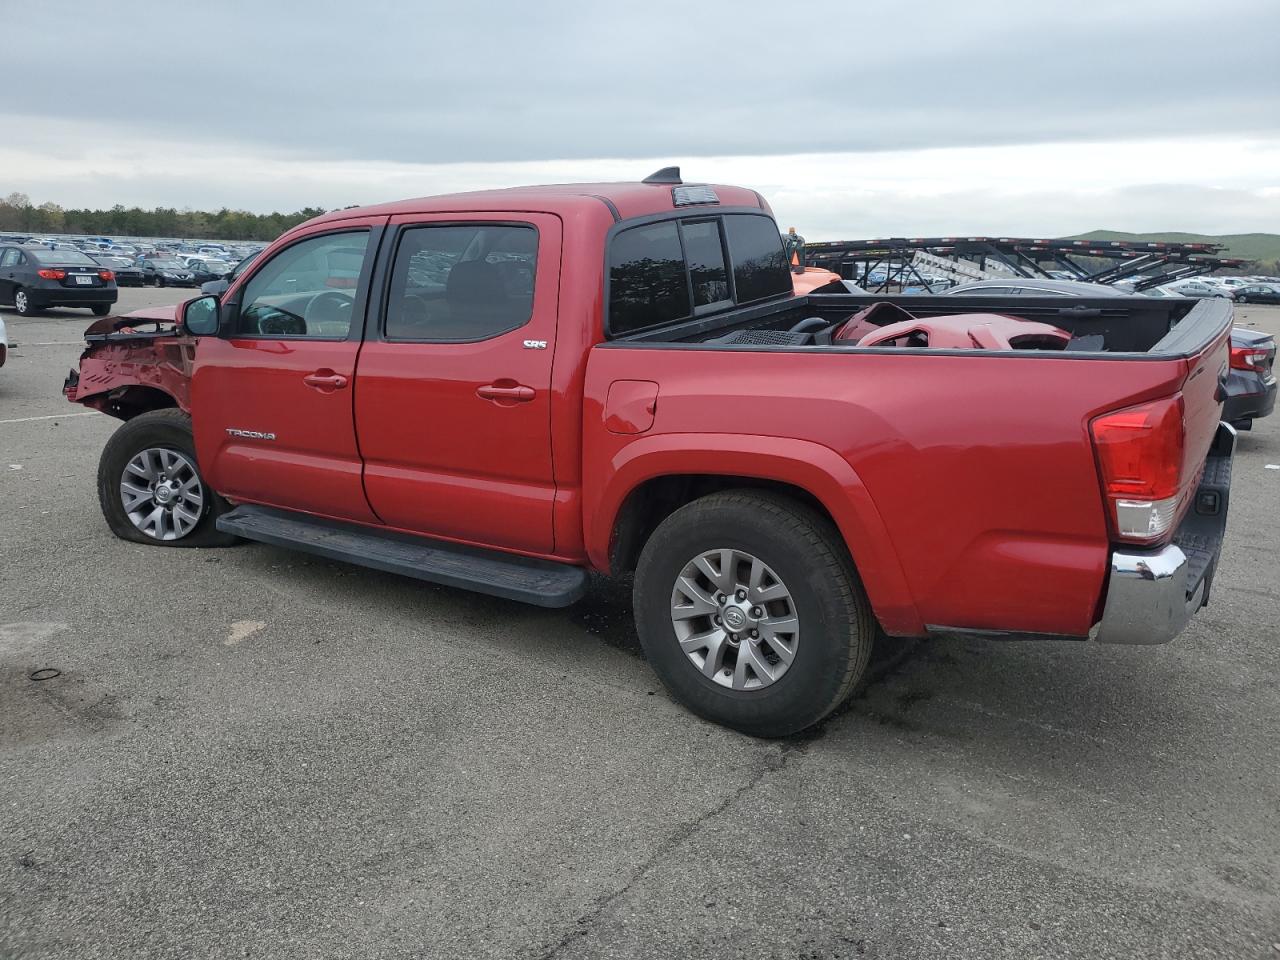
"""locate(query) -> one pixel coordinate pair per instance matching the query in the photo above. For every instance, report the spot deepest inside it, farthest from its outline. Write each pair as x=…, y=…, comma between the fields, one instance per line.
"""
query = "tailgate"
x=1203, y=392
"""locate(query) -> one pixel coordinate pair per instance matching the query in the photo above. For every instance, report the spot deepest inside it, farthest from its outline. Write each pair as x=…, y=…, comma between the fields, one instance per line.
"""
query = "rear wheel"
x=24, y=304
x=100, y=309
x=750, y=612
x=151, y=489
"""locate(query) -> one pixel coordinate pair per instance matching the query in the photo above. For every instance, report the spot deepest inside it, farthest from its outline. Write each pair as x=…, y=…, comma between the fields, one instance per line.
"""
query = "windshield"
x=167, y=263
x=217, y=266
x=113, y=261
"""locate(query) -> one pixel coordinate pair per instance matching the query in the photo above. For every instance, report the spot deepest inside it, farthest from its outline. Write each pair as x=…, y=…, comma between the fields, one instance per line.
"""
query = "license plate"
x=82, y=279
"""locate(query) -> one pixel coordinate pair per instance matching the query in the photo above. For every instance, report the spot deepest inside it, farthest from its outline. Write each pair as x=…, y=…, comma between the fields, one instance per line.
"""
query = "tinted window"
x=306, y=290
x=9, y=258
x=705, y=255
x=759, y=264
x=647, y=280
x=462, y=282
x=69, y=258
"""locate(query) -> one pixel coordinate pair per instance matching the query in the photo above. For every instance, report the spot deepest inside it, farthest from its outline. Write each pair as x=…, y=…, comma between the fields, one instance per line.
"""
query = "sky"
x=854, y=120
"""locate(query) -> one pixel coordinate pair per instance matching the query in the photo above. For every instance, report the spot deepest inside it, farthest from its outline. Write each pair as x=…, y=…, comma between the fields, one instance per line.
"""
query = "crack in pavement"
x=773, y=762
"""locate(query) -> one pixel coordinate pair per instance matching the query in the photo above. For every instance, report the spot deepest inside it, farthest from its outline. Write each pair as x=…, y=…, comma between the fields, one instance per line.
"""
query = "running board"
x=540, y=582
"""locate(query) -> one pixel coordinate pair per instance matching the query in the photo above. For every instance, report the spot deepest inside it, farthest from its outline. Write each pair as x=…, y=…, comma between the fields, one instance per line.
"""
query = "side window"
x=705, y=255
x=462, y=282
x=759, y=263
x=9, y=259
x=306, y=290
x=648, y=284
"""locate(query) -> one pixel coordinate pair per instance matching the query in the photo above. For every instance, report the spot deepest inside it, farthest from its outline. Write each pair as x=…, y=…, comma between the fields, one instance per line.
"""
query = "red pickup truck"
x=504, y=390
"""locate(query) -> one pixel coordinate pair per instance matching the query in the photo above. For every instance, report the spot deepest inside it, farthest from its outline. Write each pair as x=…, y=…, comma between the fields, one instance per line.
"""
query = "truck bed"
x=971, y=473
x=1132, y=326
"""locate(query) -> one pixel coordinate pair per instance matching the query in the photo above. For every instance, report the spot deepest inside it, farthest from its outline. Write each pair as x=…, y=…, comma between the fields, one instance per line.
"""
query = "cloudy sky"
x=935, y=116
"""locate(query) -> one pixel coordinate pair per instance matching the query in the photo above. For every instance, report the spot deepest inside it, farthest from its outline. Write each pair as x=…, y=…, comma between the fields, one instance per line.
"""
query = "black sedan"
x=1251, y=381
x=209, y=270
x=127, y=273
x=166, y=272
x=1258, y=293
x=32, y=278
x=219, y=287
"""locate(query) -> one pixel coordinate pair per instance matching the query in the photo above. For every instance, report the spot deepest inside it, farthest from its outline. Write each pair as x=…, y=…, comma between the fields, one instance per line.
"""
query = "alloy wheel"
x=162, y=493
x=735, y=619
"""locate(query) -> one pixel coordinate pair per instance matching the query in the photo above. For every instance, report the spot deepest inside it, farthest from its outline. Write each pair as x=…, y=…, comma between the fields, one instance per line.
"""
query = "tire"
x=24, y=304
x=163, y=435
x=802, y=553
x=100, y=309
x=159, y=282
x=1242, y=299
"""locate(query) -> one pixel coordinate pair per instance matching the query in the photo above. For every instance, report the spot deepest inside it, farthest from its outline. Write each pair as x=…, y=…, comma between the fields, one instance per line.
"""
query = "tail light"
x=53, y=274
x=106, y=276
x=1248, y=358
x=1140, y=455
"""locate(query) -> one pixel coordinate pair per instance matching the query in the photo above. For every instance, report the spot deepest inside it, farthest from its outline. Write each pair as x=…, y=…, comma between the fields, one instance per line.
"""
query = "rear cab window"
x=676, y=269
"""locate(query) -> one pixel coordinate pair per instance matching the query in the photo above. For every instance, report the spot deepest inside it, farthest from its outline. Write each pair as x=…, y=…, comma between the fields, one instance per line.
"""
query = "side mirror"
x=199, y=317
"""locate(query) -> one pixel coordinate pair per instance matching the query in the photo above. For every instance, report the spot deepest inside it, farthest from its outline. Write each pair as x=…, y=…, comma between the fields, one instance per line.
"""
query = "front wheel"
x=159, y=282
x=1242, y=299
x=751, y=613
x=151, y=489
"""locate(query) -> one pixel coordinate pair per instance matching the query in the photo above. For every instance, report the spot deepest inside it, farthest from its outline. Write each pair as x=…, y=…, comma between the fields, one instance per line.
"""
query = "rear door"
x=272, y=396
x=453, y=398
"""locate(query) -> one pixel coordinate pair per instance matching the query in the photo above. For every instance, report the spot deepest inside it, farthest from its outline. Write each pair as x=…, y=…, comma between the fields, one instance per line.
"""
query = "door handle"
x=515, y=394
x=324, y=380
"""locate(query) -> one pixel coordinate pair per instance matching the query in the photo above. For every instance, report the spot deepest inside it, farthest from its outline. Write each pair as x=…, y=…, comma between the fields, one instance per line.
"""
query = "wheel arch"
x=125, y=403
x=654, y=476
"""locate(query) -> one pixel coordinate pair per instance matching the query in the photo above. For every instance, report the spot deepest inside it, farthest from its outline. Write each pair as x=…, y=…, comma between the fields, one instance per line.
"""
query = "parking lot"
x=249, y=752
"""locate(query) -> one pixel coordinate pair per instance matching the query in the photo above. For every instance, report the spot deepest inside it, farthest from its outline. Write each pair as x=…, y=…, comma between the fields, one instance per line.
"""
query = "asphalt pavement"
x=250, y=753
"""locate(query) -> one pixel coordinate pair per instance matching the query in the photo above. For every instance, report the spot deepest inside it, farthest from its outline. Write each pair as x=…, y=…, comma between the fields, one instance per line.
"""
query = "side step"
x=540, y=582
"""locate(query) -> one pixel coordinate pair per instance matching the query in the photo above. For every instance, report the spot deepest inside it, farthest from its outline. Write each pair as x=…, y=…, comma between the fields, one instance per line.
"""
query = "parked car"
x=1032, y=287
x=205, y=271
x=1257, y=293
x=1199, y=289
x=33, y=278
x=219, y=287
x=127, y=273
x=167, y=272
x=1251, y=380
x=780, y=494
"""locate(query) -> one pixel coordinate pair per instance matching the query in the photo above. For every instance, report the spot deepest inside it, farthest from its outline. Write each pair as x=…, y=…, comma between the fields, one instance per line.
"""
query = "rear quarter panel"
x=965, y=486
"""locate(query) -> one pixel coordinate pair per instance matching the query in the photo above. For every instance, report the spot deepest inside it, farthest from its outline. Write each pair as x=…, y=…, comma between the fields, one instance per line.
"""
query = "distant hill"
x=1247, y=246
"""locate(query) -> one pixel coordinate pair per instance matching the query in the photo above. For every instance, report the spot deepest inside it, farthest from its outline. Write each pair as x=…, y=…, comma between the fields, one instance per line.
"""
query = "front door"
x=272, y=396
x=453, y=399
x=9, y=259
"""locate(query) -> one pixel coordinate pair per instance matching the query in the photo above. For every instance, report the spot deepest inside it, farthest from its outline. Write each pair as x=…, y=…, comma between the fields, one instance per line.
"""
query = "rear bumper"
x=1249, y=396
x=1153, y=594
x=71, y=297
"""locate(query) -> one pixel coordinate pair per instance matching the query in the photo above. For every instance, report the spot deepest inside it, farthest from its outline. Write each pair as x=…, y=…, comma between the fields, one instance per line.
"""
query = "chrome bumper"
x=1150, y=593
x=1147, y=598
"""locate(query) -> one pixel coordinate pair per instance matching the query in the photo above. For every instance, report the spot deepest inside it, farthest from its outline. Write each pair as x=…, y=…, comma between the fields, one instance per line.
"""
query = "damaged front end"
x=133, y=363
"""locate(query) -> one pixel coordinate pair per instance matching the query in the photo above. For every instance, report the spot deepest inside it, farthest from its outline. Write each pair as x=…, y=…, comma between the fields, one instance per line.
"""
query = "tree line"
x=19, y=215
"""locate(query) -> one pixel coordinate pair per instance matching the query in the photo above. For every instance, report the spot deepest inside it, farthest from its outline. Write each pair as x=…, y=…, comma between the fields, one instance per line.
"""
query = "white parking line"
x=53, y=416
x=50, y=343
